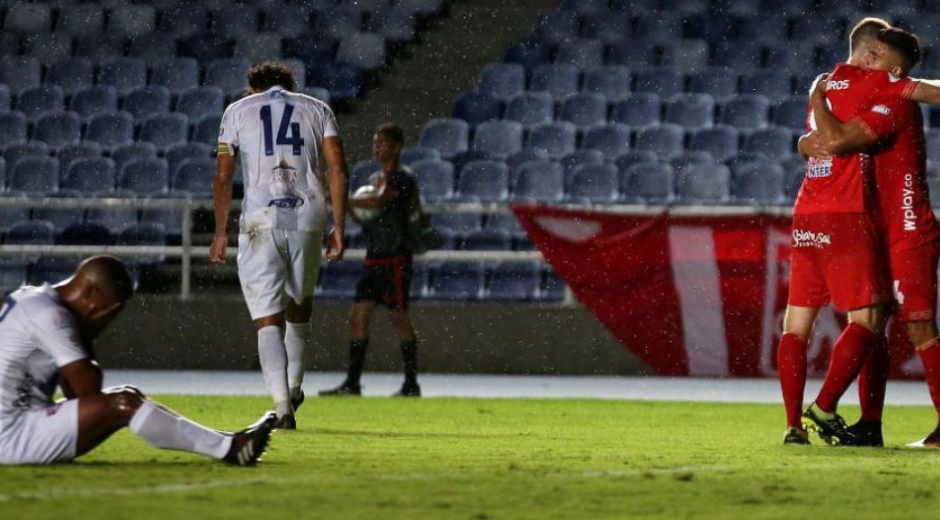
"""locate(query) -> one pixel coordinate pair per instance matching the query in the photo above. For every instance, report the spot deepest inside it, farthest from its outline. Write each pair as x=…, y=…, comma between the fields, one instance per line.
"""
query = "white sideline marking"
x=56, y=494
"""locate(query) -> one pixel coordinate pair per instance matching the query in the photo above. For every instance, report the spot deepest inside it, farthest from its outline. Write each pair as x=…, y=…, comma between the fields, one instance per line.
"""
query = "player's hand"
x=218, y=250
x=821, y=82
x=813, y=145
x=336, y=246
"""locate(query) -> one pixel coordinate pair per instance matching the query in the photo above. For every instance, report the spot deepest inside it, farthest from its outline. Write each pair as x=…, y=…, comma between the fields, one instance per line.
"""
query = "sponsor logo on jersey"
x=907, y=203
x=817, y=168
x=881, y=109
x=806, y=238
x=837, y=84
x=287, y=203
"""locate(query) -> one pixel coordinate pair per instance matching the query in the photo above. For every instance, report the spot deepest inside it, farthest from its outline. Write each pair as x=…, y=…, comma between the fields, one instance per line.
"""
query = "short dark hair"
x=109, y=273
x=269, y=74
x=392, y=131
x=866, y=32
x=906, y=44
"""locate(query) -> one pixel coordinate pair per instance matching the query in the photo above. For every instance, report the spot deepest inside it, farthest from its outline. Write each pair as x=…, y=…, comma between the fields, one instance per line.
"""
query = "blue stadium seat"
x=608, y=27
x=33, y=102
x=90, y=175
x=665, y=81
x=579, y=158
x=394, y=25
x=611, y=139
x=773, y=84
x=435, y=179
x=584, y=7
x=627, y=159
x=229, y=74
x=691, y=110
x=773, y=142
x=144, y=176
x=204, y=48
x=648, y=183
x=460, y=223
x=20, y=73
x=124, y=74
x=87, y=233
x=558, y=26
x=632, y=53
x=258, y=47
x=142, y=102
x=110, y=129
x=114, y=219
x=792, y=113
x=6, y=99
x=10, y=216
x=498, y=139
x=363, y=50
x=593, y=183
x=48, y=48
x=153, y=47
x=195, y=176
x=583, y=53
x=761, y=29
x=238, y=19
x=720, y=141
x=81, y=19
x=660, y=27
x=718, y=82
x=176, y=74
x=58, y=129
x=758, y=183
x=164, y=130
x=795, y=55
x=558, y=139
x=61, y=218
x=125, y=153
x=178, y=153
x=288, y=20
x=171, y=219
x=733, y=54
x=801, y=33
x=448, y=136
x=710, y=26
x=132, y=20
x=12, y=128
x=23, y=18
x=487, y=240
x=179, y=22
x=530, y=109
x=476, y=107
x=483, y=181
x=414, y=154
x=687, y=55
x=638, y=110
x=558, y=80
x=341, y=79
x=94, y=100
x=312, y=49
x=516, y=160
x=143, y=234
x=72, y=74
x=584, y=110
x=664, y=140
x=703, y=184
x=539, y=181
x=12, y=153
x=502, y=80
x=528, y=53
x=198, y=102
x=339, y=280
x=10, y=44
x=338, y=21
x=457, y=281
x=71, y=153
x=745, y=111
x=613, y=81
x=28, y=232
x=690, y=158
x=513, y=282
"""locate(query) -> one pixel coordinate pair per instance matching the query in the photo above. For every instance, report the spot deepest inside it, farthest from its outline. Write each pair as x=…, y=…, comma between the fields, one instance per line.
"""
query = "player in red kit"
x=891, y=130
x=836, y=253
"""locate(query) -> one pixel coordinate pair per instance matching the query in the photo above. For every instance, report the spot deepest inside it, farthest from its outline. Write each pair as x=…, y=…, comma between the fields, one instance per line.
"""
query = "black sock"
x=409, y=354
x=357, y=358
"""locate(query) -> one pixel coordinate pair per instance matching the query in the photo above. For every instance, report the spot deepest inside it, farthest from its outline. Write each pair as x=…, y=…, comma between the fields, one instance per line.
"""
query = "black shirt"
x=386, y=232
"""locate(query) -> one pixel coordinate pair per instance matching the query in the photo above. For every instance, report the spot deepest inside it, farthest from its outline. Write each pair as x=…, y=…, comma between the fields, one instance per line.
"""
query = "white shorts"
x=41, y=436
x=275, y=265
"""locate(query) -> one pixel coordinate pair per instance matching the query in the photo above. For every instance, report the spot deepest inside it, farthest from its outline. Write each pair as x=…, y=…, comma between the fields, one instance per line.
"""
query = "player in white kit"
x=46, y=336
x=281, y=138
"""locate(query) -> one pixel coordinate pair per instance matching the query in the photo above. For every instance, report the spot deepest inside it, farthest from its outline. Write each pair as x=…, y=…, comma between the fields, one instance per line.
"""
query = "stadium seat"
x=745, y=111
x=558, y=139
x=710, y=26
x=257, y=48
x=593, y=183
x=35, y=175
x=664, y=81
x=459, y=223
x=61, y=218
x=734, y=55
x=184, y=22
x=144, y=176
x=58, y=128
x=288, y=20
x=90, y=175
x=580, y=157
x=502, y=80
x=195, y=176
x=341, y=79
x=363, y=50
x=124, y=74
x=691, y=111
x=239, y=19
x=6, y=99
x=204, y=47
x=71, y=153
x=176, y=74
x=171, y=219
x=699, y=184
x=338, y=21
x=113, y=218
x=53, y=269
x=312, y=49
x=627, y=159
x=558, y=80
x=457, y=281
x=530, y=109
x=228, y=74
x=773, y=84
x=142, y=234
x=132, y=20
x=164, y=130
x=179, y=152
x=206, y=130
x=523, y=156
x=125, y=153
x=142, y=102
x=449, y=136
x=611, y=139
x=487, y=240
x=28, y=18
x=153, y=47
x=648, y=183
x=720, y=141
x=773, y=142
x=664, y=140
x=197, y=102
x=639, y=110
x=72, y=74
x=583, y=53
x=87, y=233
x=557, y=26
x=795, y=55
x=584, y=110
x=498, y=139
x=539, y=181
x=394, y=25
x=81, y=19
x=435, y=179
x=718, y=82
x=689, y=158
x=47, y=48
x=761, y=29
x=659, y=27
x=612, y=81
x=20, y=73
x=13, y=152
x=687, y=55
x=483, y=181
x=528, y=53
x=94, y=100
x=758, y=183
x=606, y=26
x=339, y=279
x=513, y=282
x=414, y=154
x=476, y=107
x=12, y=128
x=33, y=102
x=632, y=53
x=28, y=232
x=110, y=129
x=792, y=113
x=10, y=216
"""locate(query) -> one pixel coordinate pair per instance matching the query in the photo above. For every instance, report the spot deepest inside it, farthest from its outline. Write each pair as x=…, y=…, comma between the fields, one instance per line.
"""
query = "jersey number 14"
x=288, y=133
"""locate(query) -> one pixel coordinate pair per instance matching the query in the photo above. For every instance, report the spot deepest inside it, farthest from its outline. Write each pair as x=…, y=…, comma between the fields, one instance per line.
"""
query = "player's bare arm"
x=926, y=91
x=338, y=178
x=837, y=138
x=222, y=197
x=80, y=378
x=812, y=145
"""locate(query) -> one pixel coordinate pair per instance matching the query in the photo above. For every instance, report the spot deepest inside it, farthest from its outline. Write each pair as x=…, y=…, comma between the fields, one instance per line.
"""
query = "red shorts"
x=914, y=279
x=836, y=257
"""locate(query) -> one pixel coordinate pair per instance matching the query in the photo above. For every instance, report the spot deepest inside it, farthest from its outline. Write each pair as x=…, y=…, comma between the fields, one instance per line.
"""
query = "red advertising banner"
x=690, y=295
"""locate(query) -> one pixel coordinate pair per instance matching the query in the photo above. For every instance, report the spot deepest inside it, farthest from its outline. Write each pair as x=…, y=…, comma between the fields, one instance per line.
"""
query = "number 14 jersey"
x=277, y=136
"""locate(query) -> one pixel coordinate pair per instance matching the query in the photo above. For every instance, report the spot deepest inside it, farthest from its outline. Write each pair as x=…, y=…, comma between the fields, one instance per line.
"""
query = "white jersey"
x=37, y=336
x=278, y=137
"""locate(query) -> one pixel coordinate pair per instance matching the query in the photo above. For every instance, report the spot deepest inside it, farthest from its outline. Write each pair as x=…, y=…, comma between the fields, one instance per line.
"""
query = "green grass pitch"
x=481, y=459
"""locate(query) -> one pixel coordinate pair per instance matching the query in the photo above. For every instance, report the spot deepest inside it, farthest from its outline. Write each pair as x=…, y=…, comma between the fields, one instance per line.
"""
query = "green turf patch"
x=492, y=459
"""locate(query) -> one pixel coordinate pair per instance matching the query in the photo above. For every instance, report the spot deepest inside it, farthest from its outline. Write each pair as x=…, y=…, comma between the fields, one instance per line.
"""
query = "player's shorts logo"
x=287, y=203
x=805, y=238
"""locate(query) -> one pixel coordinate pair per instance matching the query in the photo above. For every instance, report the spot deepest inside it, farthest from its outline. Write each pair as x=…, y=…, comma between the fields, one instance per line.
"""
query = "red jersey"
x=901, y=172
x=841, y=184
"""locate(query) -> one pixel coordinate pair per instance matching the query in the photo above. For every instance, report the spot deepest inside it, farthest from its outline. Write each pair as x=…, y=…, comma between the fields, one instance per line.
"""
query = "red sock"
x=791, y=367
x=930, y=356
x=848, y=356
x=872, y=381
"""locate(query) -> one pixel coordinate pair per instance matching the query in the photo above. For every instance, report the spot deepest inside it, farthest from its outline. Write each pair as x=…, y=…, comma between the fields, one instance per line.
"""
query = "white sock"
x=273, y=358
x=164, y=429
x=296, y=339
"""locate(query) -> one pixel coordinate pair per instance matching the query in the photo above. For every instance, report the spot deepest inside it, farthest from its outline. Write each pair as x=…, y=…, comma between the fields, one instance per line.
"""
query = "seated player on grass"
x=46, y=336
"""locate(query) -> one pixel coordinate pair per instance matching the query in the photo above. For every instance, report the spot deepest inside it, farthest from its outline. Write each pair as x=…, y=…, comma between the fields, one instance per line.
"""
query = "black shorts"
x=386, y=280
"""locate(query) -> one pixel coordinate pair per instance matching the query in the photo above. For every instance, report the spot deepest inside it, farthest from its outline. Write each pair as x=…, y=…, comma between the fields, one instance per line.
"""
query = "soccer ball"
x=365, y=192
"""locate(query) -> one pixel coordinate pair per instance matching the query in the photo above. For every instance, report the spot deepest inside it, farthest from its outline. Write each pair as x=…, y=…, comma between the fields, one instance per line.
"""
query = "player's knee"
x=126, y=402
